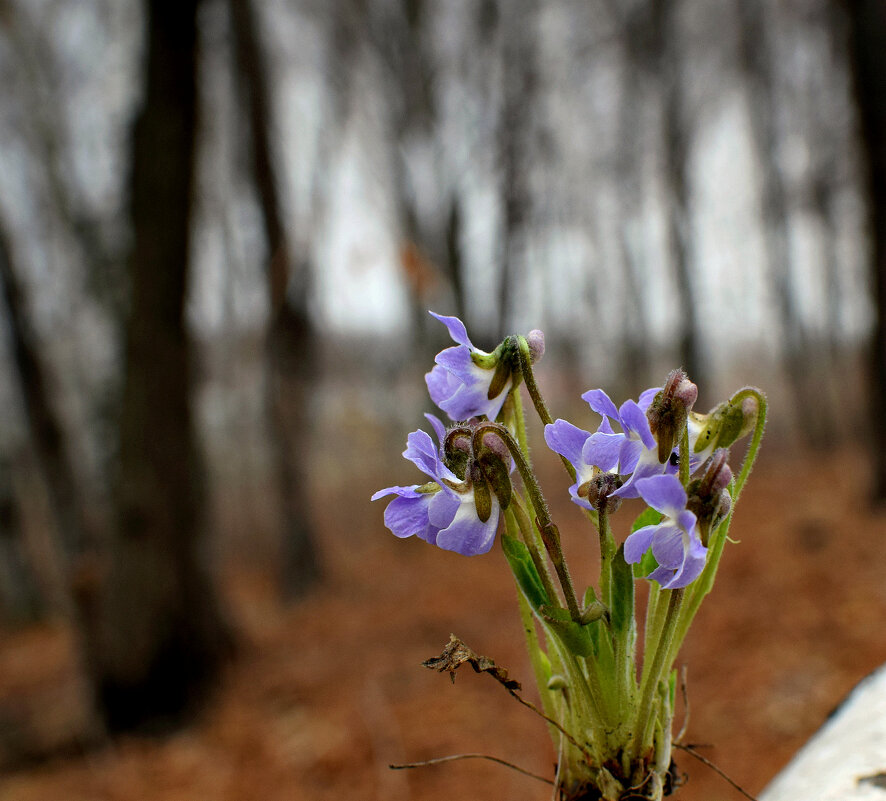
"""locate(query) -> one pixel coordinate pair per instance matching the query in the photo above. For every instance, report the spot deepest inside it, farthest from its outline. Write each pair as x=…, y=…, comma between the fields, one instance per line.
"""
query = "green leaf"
x=645, y=566
x=524, y=571
x=575, y=637
x=622, y=609
x=648, y=517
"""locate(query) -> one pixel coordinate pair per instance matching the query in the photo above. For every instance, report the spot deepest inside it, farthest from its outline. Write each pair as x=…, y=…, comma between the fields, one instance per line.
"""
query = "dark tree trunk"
x=45, y=428
x=20, y=598
x=157, y=634
x=755, y=53
x=867, y=57
x=518, y=99
x=291, y=342
x=675, y=135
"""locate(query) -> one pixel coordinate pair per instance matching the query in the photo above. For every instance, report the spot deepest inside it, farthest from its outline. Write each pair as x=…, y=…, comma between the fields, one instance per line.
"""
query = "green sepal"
x=482, y=499
x=622, y=606
x=524, y=571
x=500, y=379
x=496, y=473
x=575, y=637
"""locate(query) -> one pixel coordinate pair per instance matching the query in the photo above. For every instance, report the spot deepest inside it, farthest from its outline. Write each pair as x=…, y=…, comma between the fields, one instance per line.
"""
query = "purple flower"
x=633, y=452
x=458, y=384
x=675, y=541
x=442, y=511
x=588, y=453
x=638, y=454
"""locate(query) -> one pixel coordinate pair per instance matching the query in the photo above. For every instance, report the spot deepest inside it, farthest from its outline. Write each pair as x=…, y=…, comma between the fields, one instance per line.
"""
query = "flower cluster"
x=656, y=449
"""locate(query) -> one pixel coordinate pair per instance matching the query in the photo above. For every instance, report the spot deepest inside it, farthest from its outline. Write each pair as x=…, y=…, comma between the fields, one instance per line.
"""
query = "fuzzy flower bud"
x=536, y=342
x=669, y=410
x=723, y=425
x=599, y=492
x=709, y=499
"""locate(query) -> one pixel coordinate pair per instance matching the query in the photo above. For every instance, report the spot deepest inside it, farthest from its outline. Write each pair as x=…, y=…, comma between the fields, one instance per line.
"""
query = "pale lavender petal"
x=442, y=384
x=601, y=403
x=408, y=492
x=459, y=362
x=421, y=451
x=633, y=419
x=437, y=425
x=686, y=520
x=406, y=516
x=663, y=493
x=663, y=575
x=566, y=439
x=467, y=534
x=443, y=508
x=583, y=502
x=471, y=401
x=690, y=570
x=638, y=543
x=631, y=451
x=602, y=450
x=456, y=329
x=667, y=546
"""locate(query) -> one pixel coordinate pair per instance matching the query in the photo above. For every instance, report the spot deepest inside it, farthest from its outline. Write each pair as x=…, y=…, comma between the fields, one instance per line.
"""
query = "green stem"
x=607, y=552
x=538, y=667
x=535, y=393
x=684, y=457
x=550, y=534
x=705, y=582
x=754, y=446
x=530, y=538
x=645, y=712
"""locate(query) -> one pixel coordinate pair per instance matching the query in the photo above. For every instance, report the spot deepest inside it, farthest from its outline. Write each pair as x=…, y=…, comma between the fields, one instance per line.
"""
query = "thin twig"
x=705, y=761
x=454, y=757
x=685, y=693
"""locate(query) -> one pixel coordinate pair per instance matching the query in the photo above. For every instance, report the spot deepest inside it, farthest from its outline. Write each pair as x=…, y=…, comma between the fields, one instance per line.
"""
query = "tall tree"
x=156, y=632
x=291, y=341
x=519, y=92
x=867, y=56
x=756, y=60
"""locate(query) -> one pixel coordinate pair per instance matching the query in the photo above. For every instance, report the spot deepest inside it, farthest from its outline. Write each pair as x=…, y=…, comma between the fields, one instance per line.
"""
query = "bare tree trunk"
x=520, y=79
x=675, y=137
x=867, y=57
x=47, y=434
x=20, y=598
x=291, y=342
x=157, y=634
x=755, y=51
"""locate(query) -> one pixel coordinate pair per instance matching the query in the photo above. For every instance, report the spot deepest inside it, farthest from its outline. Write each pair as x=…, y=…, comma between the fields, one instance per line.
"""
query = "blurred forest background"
x=222, y=223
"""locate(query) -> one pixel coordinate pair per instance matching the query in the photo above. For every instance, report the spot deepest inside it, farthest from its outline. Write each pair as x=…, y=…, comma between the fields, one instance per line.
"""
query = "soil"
x=325, y=694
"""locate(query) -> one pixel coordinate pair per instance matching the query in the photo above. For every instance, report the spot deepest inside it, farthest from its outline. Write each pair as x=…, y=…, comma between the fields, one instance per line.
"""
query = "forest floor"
x=325, y=694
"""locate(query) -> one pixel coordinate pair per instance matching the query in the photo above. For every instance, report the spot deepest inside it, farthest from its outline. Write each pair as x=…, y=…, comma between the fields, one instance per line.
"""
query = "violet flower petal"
x=456, y=329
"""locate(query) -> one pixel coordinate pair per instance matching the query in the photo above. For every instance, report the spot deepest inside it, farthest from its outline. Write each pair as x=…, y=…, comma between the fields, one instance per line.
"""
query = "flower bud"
x=457, y=450
x=669, y=410
x=599, y=491
x=726, y=423
x=536, y=341
x=708, y=498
